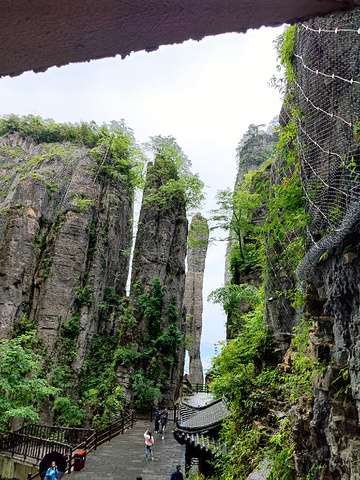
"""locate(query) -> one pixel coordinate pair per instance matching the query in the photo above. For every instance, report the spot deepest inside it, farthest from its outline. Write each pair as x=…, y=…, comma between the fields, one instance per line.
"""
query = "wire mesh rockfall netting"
x=327, y=92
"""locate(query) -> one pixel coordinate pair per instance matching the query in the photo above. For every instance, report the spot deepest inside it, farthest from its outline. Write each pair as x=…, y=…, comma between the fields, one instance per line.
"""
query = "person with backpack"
x=177, y=475
x=51, y=472
x=149, y=442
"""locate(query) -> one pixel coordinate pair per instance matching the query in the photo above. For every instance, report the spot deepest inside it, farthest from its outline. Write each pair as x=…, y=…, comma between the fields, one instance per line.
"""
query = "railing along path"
x=36, y=441
x=36, y=448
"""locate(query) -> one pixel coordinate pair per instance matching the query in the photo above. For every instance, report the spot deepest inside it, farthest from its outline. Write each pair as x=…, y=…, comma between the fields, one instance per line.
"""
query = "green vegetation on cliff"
x=266, y=221
x=76, y=185
x=161, y=340
x=170, y=178
x=23, y=386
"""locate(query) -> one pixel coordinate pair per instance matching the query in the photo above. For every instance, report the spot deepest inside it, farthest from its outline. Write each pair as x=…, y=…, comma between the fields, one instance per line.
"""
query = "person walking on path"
x=177, y=475
x=149, y=442
x=163, y=422
x=157, y=420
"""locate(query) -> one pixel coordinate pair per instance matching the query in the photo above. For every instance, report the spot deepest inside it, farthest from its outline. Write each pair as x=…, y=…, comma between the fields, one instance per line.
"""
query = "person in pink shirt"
x=149, y=442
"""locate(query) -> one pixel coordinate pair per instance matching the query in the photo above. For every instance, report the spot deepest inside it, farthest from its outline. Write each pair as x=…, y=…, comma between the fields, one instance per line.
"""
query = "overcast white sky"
x=205, y=94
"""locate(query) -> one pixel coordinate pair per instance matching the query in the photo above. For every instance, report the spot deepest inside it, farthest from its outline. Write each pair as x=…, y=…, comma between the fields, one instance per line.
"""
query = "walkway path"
x=199, y=399
x=124, y=457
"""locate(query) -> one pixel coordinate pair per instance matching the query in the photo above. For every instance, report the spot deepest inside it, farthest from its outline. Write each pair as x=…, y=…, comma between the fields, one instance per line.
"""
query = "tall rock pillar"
x=159, y=256
x=193, y=301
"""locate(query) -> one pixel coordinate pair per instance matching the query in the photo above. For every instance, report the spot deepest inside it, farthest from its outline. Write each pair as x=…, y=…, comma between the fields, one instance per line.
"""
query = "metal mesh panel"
x=327, y=89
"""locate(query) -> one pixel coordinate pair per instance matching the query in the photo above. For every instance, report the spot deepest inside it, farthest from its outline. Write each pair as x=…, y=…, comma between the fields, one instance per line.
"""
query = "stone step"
x=124, y=457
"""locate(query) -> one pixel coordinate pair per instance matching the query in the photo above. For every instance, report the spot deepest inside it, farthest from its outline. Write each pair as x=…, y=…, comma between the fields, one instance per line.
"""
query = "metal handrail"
x=37, y=448
x=68, y=435
x=198, y=388
x=141, y=411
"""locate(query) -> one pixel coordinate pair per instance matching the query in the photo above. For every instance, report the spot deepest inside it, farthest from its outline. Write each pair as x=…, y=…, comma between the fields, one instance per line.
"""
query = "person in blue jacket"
x=177, y=475
x=163, y=423
x=51, y=472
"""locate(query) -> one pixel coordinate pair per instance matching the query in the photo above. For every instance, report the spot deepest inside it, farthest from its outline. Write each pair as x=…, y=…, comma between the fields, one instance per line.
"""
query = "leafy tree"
x=231, y=295
x=23, y=388
x=145, y=390
x=169, y=342
x=99, y=387
x=198, y=236
x=284, y=46
x=123, y=159
x=68, y=413
x=236, y=369
x=120, y=158
x=287, y=220
x=234, y=215
x=171, y=172
x=158, y=341
x=48, y=131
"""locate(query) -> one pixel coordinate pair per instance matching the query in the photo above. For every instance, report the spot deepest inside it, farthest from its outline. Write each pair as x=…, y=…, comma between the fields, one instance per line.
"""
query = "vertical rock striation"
x=160, y=251
x=193, y=298
x=64, y=228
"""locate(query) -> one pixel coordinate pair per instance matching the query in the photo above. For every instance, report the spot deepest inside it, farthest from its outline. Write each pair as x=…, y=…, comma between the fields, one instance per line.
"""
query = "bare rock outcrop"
x=193, y=299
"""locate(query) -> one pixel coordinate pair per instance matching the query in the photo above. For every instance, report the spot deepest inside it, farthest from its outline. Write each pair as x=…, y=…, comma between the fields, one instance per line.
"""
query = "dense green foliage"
x=284, y=46
x=198, y=236
x=243, y=372
x=230, y=296
x=237, y=210
x=23, y=387
x=113, y=145
x=125, y=348
x=170, y=178
x=235, y=370
x=152, y=308
x=99, y=387
x=48, y=131
x=161, y=343
x=234, y=215
x=99, y=391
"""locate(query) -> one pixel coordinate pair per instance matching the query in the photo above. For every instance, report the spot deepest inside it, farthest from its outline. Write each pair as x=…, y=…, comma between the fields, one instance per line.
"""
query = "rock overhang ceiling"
x=36, y=35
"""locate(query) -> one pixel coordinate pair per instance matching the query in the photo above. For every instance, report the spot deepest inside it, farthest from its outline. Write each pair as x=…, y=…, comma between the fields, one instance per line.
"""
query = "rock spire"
x=193, y=299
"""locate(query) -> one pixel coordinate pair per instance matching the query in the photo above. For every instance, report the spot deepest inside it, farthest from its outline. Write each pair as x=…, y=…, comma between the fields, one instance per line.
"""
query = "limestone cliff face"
x=327, y=429
x=255, y=147
x=64, y=229
x=193, y=298
x=333, y=304
x=160, y=251
x=253, y=150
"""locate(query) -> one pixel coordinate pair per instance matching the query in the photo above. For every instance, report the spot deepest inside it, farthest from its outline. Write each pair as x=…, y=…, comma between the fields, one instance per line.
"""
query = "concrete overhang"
x=38, y=34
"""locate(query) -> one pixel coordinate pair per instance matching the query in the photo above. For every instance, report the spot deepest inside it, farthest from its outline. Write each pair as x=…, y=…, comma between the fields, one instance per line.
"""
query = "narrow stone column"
x=193, y=301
